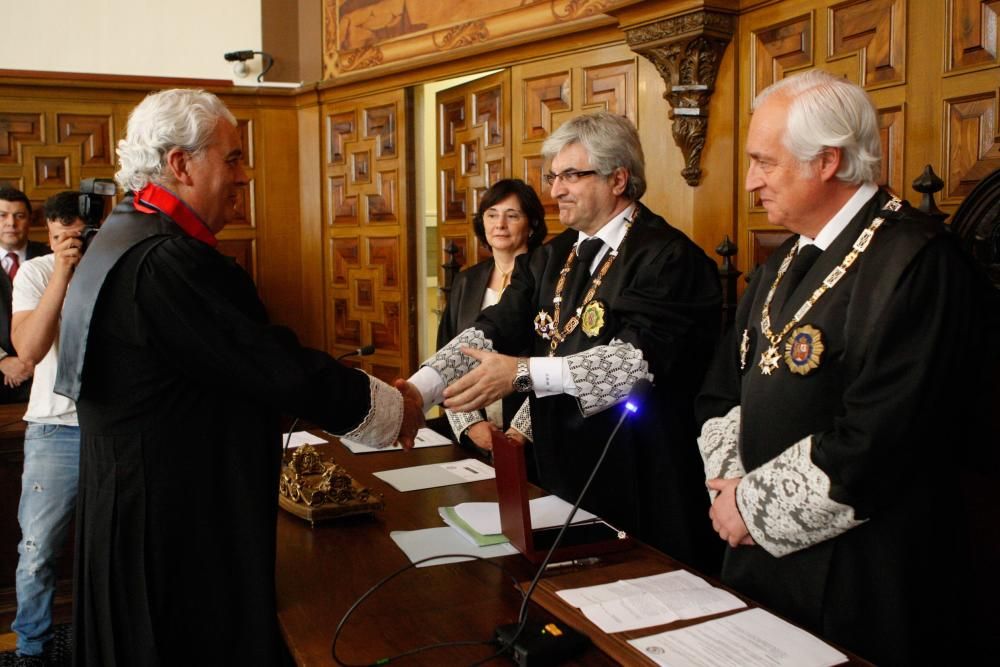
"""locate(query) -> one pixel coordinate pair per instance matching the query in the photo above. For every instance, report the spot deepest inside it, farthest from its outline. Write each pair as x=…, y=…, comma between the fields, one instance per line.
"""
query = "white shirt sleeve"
x=550, y=376
x=29, y=285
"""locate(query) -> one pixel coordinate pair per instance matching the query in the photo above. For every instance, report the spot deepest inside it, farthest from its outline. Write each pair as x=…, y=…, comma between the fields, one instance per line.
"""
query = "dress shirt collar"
x=154, y=198
x=839, y=222
x=612, y=234
x=22, y=255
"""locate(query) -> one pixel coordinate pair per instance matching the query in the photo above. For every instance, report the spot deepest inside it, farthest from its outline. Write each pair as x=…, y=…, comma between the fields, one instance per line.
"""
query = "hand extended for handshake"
x=413, y=413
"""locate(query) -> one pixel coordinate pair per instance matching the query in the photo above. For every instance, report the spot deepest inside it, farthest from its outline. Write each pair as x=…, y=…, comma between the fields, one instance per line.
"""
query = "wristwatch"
x=522, y=381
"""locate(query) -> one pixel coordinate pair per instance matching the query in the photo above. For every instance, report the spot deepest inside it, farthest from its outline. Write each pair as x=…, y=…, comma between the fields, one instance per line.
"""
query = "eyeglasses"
x=568, y=176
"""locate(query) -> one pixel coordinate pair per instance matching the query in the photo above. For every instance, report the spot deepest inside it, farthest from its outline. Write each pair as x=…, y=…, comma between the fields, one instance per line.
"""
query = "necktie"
x=798, y=269
x=579, y=276
x=14, y=265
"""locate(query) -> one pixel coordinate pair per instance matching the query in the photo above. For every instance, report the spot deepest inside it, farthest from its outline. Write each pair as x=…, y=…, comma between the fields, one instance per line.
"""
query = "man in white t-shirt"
x=52, y=437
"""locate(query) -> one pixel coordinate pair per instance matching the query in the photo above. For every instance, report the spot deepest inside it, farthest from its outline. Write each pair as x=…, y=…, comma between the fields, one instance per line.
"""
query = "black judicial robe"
x=182, y=389
x=662, y=295
x=886, y=409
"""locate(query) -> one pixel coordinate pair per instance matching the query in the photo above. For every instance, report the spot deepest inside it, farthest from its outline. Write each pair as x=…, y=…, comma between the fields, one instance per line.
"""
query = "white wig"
x=177, y=118
x=827, y=111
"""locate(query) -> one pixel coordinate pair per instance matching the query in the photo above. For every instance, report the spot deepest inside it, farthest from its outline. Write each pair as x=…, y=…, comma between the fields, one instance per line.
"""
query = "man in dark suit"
x=15, y=249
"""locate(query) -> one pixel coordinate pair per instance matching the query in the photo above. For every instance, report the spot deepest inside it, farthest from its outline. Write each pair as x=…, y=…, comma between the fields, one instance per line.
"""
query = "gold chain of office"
x=547, y=326
x=770, y=357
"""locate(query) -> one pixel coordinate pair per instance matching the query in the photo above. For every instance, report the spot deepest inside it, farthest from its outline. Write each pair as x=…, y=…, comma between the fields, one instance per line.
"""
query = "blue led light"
x=631, y=407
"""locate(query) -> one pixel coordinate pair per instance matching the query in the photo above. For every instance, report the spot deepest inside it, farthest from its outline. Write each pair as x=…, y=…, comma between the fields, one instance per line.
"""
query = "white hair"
x=611, y=141
x=177, y=118
x=827, y=111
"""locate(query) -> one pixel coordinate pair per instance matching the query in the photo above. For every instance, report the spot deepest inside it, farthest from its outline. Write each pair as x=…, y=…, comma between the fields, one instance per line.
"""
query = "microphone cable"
x=420, y=649
x=640, y=391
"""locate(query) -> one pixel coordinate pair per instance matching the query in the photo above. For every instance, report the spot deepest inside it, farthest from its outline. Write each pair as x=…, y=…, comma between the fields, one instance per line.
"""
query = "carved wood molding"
x=686, y=51
x=776, y=49
x=972, y=37
x=972, y=141
x=877, y=30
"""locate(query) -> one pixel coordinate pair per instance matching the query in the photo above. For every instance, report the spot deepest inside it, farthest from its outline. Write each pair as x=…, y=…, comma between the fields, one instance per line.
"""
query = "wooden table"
x=322, y=570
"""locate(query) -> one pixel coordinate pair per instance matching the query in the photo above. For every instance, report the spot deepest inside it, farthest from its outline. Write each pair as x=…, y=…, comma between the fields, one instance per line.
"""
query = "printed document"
x=752, y=638
x=648, y=601
x=437, y=474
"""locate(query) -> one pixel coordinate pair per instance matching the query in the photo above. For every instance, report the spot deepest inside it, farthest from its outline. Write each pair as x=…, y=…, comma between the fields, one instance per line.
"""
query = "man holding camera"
x=52, y=437
x=15, y=250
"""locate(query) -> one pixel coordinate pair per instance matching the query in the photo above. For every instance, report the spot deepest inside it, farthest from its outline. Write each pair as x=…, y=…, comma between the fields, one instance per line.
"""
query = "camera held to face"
x=93, y=195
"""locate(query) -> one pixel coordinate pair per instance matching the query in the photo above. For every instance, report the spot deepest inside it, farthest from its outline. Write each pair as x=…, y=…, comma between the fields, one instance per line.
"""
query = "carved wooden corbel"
x=686, y=51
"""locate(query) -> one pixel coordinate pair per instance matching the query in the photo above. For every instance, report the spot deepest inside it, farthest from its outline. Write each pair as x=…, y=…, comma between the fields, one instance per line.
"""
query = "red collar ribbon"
x=156, y=199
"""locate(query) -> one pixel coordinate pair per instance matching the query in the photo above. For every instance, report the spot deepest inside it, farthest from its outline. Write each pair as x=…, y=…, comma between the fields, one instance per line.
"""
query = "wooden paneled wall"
x=55, y=132
x=327, y=227
x=930, y=67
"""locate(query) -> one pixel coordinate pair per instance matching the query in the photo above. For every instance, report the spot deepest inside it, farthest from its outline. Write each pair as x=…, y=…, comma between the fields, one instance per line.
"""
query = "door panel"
x=370, y=284
x=473, y=153
x=549, y=92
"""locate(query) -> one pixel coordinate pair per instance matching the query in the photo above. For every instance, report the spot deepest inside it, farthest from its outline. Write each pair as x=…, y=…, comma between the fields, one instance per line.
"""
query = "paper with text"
x=752, y=638
x=648, y=601
x=437, y=474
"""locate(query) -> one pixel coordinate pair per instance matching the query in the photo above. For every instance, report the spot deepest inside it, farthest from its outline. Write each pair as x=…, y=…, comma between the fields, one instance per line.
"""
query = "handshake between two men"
x=490, y=380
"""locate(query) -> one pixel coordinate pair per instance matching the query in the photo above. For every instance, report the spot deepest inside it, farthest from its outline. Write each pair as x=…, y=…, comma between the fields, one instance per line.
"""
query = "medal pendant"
x=769, y=360
x=744, y=348
x=544, y=324
x=804, y=350
x=592, y=318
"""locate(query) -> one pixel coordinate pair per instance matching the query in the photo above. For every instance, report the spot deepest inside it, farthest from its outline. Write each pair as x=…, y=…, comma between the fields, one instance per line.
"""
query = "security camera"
x=238, y=56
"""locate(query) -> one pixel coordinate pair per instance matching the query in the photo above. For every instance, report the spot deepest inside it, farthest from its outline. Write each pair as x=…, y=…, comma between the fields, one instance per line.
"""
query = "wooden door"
x=549, y=92
x=369, y=268
x=473, y=153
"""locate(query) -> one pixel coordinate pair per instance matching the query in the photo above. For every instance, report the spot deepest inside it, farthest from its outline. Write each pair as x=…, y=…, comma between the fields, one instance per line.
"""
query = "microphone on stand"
x=360, y=352
x=507, y=635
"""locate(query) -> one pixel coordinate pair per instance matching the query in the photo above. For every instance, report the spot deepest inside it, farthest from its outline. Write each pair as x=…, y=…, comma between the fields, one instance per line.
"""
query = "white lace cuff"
x=719, y=446
x=380, y=427
x=522, y=421
x=449, y=361
x=460, y=421
x=786, y=503
x=604, y=375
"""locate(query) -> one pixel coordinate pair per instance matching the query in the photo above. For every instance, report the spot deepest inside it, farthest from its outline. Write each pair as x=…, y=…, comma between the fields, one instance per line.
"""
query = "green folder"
x=451, y=518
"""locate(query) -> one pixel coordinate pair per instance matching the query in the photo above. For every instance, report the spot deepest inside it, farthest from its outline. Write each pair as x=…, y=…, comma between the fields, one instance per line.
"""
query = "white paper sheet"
x=546, y=512
x=437, y=474
x=300, y=438
x=753, y=638
x=425, y=438
x=418, y=544
x=647, y=601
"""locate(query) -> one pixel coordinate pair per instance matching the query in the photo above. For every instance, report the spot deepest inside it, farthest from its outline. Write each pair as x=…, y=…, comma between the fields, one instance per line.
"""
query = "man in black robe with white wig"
x=180, y=383
x=835, y=416
x=618, y=297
